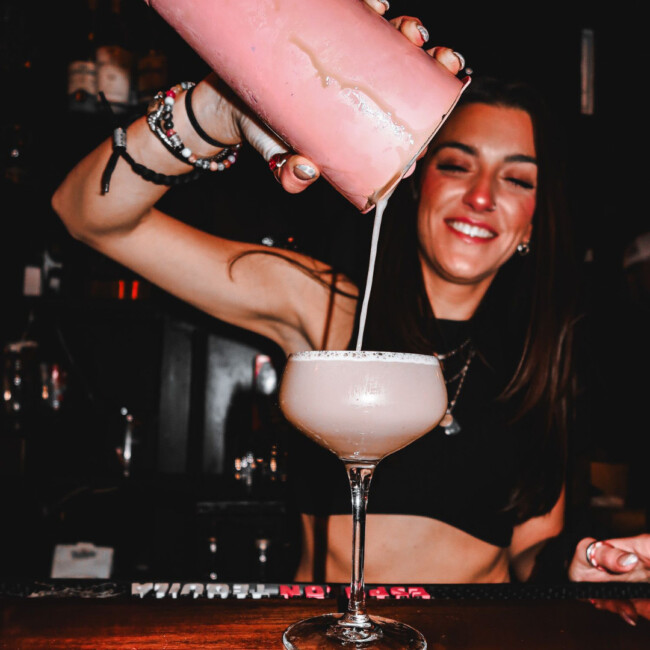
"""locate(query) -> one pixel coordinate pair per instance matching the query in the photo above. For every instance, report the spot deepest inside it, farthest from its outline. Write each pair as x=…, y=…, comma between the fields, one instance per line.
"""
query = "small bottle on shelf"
x=114, y=60
x=82, y=69
x=152, y=65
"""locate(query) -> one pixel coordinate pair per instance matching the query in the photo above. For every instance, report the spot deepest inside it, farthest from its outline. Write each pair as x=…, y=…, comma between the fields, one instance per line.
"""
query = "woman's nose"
x=480, y=196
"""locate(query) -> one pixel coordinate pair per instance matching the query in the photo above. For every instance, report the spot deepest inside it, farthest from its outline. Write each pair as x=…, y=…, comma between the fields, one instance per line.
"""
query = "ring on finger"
x=277, y=161
x=589, y=552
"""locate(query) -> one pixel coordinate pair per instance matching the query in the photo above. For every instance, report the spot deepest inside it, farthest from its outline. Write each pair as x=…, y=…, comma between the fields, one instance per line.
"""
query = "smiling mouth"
x=469, y=230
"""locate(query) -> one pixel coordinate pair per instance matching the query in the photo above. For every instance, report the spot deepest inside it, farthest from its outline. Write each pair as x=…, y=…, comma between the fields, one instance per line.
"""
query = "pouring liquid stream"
x=379, y=213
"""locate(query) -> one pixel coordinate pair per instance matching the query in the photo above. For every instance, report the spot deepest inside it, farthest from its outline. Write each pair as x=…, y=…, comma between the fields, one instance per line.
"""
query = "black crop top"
x=465, y=480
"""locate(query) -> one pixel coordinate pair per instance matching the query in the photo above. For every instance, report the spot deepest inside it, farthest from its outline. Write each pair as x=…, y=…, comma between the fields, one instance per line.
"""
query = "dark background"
x=154, y=356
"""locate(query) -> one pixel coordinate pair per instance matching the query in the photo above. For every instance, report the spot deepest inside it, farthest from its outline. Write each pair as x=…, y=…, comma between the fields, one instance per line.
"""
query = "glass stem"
x=360, y=477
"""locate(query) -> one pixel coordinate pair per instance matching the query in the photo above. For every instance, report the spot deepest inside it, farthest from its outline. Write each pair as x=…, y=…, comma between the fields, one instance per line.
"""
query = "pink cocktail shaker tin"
x=331, y=78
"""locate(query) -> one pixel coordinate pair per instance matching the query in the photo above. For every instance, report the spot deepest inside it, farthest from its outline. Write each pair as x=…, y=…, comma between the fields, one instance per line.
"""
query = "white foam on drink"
x=379, y=213
x=364, y=355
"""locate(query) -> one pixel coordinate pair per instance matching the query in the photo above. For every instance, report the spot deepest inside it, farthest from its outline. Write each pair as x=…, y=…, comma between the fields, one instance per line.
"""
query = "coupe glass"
x=362, y=406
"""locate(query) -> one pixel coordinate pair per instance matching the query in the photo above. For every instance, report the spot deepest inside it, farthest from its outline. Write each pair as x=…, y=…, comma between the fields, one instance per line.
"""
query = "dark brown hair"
x=536, y=291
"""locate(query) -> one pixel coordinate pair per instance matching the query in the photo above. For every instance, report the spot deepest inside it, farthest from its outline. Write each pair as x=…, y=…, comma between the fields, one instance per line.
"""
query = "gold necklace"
x=449, y=423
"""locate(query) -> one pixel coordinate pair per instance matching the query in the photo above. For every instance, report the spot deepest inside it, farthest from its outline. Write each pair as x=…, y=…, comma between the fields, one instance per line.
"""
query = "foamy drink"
x=363, y=406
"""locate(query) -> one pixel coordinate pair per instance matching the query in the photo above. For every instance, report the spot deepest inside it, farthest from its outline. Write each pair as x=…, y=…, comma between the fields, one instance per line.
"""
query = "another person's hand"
x=231, y=121
x=625, y=559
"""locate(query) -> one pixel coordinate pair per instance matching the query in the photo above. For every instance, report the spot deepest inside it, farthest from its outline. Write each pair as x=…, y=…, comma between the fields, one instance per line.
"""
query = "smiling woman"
x=478, y=199
x=449, y=280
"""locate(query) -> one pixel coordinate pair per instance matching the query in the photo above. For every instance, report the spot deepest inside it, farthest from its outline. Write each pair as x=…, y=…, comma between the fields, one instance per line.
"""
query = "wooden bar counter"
x=499, y=618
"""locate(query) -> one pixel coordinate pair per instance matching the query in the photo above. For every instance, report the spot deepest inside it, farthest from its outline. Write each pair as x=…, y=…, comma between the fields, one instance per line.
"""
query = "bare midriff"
x=404, y=549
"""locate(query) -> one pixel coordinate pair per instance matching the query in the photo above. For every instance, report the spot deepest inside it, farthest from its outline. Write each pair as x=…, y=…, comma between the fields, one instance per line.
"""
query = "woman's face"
x=478, y=193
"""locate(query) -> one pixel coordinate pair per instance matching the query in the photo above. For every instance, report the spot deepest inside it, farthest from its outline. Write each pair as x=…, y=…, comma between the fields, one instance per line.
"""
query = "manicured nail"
x=461, y=58
x=627, y=618
x=628, y=560
x=304, y=172
x=423, y=32
x=386, y=4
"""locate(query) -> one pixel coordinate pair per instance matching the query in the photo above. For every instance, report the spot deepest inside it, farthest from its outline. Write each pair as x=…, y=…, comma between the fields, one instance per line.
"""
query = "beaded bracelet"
x=160, y=120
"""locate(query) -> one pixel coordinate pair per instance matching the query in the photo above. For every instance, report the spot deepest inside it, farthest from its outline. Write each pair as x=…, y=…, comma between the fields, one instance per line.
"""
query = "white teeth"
x=471, y=231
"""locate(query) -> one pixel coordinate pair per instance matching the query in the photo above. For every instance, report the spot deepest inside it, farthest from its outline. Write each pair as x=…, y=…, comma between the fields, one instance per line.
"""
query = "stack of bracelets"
x=160, y=120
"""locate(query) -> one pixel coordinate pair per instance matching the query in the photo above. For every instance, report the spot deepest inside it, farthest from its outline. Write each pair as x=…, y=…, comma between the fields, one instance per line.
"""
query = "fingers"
x=418, y=34
x=610, y=558
x=412, y=28
x=295, y=173
x=380, y=6
x=597, y=561
x=639, y=544
x=453, y=61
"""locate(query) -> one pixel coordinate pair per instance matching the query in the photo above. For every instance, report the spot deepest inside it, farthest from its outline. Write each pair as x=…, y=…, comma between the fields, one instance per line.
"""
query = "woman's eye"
x=451, y=167
x=520, y=183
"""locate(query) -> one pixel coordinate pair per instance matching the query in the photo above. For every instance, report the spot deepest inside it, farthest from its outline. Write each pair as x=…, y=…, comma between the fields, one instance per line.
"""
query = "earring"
x=524, y=248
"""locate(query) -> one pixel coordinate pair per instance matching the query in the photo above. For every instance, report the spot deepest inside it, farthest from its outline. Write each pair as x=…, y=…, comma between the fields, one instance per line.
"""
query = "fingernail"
x=304, y=172
x=461, y=58
x=628, y=559
x=423, y=32
x=386, y=4
x=627, y=618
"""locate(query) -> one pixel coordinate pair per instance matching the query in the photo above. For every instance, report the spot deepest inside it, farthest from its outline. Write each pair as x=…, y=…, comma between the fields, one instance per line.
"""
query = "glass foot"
x=326, y=632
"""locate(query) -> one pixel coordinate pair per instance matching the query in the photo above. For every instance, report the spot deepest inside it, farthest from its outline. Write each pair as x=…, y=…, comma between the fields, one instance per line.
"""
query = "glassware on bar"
x=362, y=406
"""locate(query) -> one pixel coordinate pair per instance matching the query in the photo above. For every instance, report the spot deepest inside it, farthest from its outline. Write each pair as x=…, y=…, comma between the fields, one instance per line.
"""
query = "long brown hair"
x=536, y=291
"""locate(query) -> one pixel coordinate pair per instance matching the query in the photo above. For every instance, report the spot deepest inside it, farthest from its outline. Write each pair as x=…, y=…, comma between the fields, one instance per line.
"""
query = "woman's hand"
x=215, y=105
x=622, y=560
x=413, y=29
x=418, y=34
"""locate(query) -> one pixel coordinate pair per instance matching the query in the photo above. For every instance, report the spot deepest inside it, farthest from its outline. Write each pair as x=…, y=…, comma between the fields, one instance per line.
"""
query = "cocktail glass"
x=362, y=406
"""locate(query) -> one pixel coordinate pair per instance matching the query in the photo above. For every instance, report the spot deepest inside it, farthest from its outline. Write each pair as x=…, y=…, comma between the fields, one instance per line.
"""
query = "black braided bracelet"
x=119, y=151
x=196, y=126
x=223, y=160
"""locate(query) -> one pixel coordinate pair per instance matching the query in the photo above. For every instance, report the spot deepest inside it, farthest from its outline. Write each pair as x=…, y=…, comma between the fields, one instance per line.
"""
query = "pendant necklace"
x=449, y=423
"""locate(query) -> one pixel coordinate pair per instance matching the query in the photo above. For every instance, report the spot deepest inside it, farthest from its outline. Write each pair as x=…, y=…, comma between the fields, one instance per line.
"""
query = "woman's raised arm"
x=124, y=225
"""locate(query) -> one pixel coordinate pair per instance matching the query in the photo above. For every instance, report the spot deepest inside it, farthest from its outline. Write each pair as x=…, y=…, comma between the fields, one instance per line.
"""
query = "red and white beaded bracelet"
x=160, y=120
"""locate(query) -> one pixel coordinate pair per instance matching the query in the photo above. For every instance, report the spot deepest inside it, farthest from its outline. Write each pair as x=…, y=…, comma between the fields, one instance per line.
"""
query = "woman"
x=479, y=202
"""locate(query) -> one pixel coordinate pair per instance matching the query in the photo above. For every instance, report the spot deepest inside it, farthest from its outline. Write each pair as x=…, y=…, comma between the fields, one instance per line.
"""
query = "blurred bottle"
x=262, y=464
x=19, y=64
x=36, y=381
x=21, y=389
x=152, y=66
x=16, y=141
x=114, y=59
x=82, y=69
